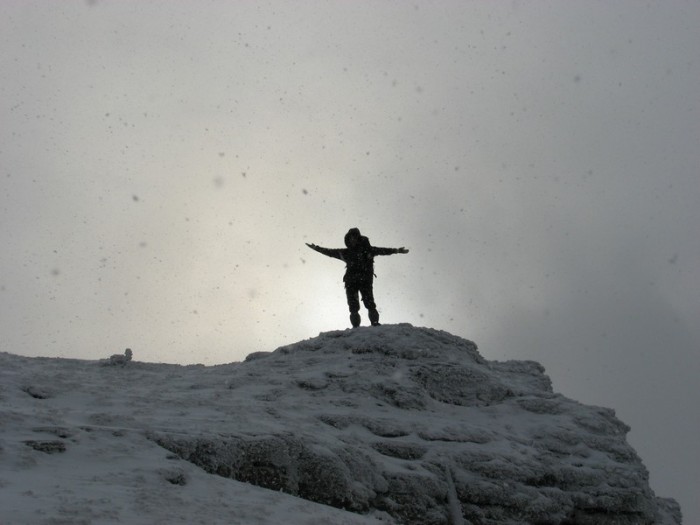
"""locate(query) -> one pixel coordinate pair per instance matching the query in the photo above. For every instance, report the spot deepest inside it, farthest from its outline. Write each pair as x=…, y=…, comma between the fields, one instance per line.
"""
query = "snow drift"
x=390, y=424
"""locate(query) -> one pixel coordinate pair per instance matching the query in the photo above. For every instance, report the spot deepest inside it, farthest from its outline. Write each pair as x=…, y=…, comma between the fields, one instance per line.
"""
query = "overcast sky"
x=164, y=162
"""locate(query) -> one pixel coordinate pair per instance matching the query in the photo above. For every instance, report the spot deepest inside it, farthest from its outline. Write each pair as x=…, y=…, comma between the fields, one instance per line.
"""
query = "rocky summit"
x=414, y=423
x=390, y=424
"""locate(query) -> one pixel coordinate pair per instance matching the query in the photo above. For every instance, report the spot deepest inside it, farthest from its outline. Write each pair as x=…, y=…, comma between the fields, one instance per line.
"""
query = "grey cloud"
x=162, y=166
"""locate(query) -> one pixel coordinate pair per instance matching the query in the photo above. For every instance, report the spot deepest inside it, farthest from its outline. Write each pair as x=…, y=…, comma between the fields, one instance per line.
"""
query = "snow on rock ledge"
x=389, y=424
x=414, y=423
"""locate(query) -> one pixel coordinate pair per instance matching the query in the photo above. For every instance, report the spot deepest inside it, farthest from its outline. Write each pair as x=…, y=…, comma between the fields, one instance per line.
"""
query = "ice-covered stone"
x=397, y=418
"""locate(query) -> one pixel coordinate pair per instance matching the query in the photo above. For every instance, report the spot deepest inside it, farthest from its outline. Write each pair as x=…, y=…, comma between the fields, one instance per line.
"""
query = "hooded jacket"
x=358, y=256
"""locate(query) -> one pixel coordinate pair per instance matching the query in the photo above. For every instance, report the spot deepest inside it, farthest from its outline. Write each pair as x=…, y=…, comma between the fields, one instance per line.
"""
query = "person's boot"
x=355, y=319
x=374, y=317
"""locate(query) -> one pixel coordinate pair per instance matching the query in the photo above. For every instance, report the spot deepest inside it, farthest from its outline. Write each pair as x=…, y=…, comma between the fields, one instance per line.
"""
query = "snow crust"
x=389, y=424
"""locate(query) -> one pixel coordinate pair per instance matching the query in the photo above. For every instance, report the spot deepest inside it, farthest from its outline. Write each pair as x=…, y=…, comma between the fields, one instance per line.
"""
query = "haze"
x=164, y=162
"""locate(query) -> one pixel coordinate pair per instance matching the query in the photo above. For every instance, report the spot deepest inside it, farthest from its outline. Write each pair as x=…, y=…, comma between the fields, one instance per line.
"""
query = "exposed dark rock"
x=48, y=447
x=37, y=392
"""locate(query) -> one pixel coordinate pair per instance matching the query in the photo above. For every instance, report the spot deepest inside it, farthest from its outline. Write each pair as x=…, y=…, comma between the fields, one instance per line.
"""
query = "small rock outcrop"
x=118, y=359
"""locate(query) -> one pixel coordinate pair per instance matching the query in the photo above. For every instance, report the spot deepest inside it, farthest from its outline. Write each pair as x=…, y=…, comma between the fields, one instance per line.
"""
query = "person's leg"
x=351, y=292
x=368, y=300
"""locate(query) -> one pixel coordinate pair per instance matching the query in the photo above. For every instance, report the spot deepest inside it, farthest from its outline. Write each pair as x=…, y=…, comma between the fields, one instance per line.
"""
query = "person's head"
x=352, y=238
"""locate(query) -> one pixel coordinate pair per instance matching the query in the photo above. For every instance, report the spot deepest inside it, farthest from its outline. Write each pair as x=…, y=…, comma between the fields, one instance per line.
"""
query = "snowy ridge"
x=390, y=424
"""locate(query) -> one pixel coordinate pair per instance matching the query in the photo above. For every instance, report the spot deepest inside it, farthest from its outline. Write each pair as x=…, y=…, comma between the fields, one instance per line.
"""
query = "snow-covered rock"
x=118, y=359
x=394, y=424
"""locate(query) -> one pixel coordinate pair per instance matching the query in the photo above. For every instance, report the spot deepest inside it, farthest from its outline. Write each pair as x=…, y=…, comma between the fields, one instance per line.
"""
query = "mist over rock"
x=389, y=424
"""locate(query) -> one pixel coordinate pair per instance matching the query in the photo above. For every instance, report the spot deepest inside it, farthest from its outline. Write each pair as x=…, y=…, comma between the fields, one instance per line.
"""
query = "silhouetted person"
x=359, y=274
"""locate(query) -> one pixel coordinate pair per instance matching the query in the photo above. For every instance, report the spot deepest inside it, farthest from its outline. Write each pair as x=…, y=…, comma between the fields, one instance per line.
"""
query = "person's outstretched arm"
x=336, y=253
x=387, y=251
